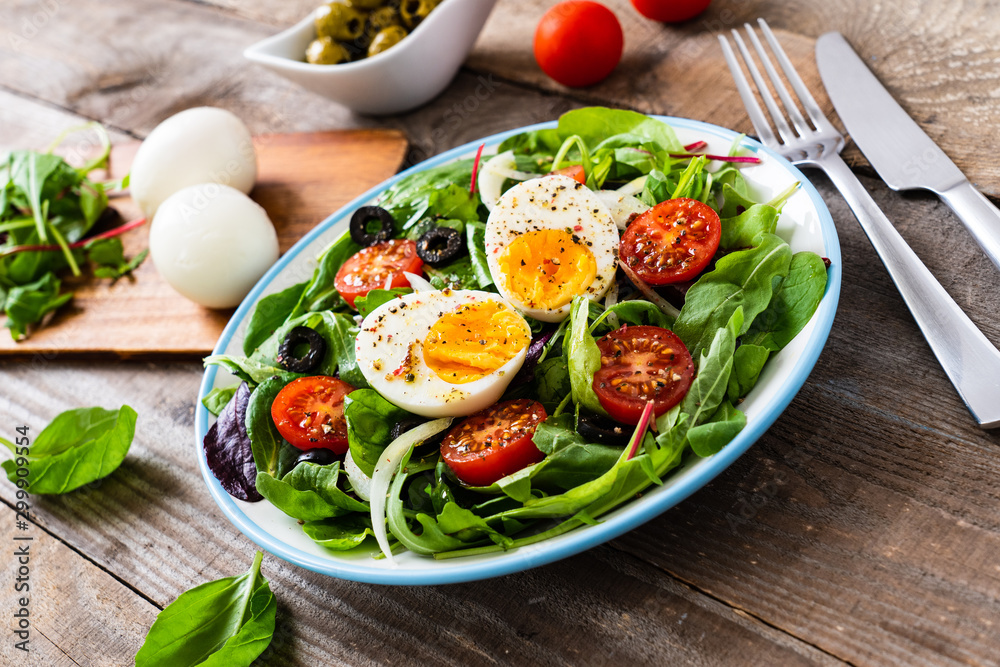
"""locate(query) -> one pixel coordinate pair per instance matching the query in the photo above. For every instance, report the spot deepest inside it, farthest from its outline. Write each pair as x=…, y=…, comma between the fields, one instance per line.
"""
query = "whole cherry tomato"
x=578, y=42
x=670, y=11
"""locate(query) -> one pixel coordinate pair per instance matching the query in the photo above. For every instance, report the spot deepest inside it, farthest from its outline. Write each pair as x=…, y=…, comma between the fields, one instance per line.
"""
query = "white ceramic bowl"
x=406, y=76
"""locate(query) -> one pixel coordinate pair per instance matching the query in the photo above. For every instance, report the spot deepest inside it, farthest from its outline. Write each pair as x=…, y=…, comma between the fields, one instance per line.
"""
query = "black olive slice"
x=595, y=428
x=439, y=245
x=320, y=456
x=308, y=361
x=361, y=220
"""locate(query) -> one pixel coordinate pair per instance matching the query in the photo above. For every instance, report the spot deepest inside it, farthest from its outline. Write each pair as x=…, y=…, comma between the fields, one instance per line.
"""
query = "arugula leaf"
x=743, y=279
x=309, y=492
x=583, y=357
x=746, y=229
x=79, y=446
x=340, y=533
x=269, y=314
x=222, y=623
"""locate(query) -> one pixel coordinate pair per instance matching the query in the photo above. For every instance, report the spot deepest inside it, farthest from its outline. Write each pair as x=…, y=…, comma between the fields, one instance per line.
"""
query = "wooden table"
x=863, y=528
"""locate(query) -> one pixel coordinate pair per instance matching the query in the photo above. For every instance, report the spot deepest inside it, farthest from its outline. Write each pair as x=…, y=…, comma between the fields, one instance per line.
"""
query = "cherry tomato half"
x=578, y=42
x=641, y=364
x=309, y=413
x=670, y=11
x=494, y=442
x=370, y=267
x=575, y=171
x=672, y=242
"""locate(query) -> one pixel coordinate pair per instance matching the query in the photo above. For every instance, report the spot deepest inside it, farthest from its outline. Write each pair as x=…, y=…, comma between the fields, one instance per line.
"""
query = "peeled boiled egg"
x=443, y=353
x=548, y=240
x=200, y=145
x=212, y=243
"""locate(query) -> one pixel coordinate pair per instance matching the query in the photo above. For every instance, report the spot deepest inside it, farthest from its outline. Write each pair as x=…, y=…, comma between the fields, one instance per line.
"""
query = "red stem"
x=695, y=146
x=475, y=169
x=79, y=244
x=721, y=158
x=640, y=430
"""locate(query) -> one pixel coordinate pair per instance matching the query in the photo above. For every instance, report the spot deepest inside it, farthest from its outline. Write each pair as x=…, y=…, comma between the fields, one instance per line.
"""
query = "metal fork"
x=967, y=357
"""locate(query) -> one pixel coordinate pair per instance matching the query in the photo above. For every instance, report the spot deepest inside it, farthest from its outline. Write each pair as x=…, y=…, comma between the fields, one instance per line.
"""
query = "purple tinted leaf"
x=527, y=372
x=227, y=449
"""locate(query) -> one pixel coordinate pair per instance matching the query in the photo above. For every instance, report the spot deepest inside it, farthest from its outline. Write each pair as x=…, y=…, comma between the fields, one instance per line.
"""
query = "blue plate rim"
x=582, y=538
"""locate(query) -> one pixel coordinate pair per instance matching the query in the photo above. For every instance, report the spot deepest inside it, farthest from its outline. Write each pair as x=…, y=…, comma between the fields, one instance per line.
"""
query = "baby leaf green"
x=583, y=356
x=222, y=623
x=79, y=446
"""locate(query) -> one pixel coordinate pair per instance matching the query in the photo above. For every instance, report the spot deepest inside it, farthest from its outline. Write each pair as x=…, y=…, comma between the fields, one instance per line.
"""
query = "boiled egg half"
x=444, y=353
x=548, y=240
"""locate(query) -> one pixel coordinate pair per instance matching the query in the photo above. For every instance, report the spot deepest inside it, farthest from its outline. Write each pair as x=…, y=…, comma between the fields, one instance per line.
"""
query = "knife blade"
x=902, y=153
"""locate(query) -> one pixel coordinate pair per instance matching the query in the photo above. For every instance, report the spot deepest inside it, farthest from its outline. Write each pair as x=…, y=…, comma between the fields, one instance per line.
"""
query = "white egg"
x=445, y=353
x=212, y=243
x=200, y=145
x=548, y=240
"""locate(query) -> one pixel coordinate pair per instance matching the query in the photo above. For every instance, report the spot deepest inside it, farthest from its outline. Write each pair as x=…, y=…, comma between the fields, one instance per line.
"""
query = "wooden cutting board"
x=302, y=179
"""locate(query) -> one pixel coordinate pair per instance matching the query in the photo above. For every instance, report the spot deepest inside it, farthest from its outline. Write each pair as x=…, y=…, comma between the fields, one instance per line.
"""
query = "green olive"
x=415, y=11
x=383, y=18
x=386, y=38
x=325, y=51
x=339, y=21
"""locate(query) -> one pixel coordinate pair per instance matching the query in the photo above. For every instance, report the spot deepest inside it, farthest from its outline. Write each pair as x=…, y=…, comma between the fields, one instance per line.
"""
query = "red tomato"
x=670, y=11
x=309, y=413
x=494, y=442
x=641, y=364
x=578, y=42
x=575, y=172
x=369, y=268
x=672, y=242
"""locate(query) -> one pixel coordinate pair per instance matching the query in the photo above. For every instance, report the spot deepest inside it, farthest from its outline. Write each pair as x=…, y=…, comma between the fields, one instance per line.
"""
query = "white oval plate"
x=805, y=223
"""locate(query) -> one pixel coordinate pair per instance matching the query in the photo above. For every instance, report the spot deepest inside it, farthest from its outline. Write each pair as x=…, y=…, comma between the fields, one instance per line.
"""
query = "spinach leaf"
x=793, y=304
x=551, y=384
x=249, y=370
x=475, y=241
x=79, y=446
x=745, y=230
x=714, y=366
x=320, y=293
x=271, y=454
x=222, y=623
x=217, y=399
x=339, y=332
x=636, y=312
x=656, y=189
x=376, y=297
x=748, y=361
x=228, y=450
x=709, y=438
x=269, y=314
x=458, y=274
x=596, y=124
x=369, y=421
x=340, y=533
x=583, y=357
x=545, y=141
x=309, y=492
x=423, y=191
x=735, y=201
x=744, y=279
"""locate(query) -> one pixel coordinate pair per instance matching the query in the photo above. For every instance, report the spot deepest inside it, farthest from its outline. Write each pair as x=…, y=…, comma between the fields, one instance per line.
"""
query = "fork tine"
x=772, y=106
x=808, y=102
x=757, y=117
x=790, y=107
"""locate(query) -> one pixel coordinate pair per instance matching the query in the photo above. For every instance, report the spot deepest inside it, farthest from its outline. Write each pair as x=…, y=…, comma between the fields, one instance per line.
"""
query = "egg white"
x=560, y=203
x=389, y=333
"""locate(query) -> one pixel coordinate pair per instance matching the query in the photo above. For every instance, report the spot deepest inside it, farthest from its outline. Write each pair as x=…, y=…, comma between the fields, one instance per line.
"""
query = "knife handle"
x=966, y=355
x=979, y=216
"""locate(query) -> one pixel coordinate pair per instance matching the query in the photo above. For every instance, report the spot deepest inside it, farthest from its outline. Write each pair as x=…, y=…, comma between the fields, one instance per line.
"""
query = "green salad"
x=505, y=348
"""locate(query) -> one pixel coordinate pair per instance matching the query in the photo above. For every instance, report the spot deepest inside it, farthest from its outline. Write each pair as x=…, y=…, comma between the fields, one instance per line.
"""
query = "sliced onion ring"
x=360, y=482
x=386, y=467
x=492, y=175
x=418, y=283
x=648, y=292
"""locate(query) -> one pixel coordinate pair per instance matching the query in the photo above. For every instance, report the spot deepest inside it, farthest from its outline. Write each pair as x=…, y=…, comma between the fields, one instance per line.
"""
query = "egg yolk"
x=546, y=268
x=474, y=341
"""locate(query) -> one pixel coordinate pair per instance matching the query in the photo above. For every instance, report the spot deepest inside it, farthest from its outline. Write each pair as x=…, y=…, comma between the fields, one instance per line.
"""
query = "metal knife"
x=902, y=154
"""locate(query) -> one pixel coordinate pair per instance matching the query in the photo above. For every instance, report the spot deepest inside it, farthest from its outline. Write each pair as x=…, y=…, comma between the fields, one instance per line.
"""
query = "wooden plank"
x=78, y=614
x=303, y=178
